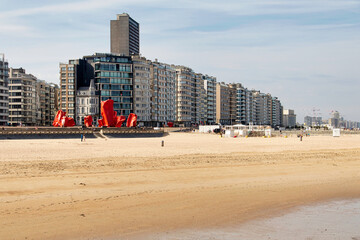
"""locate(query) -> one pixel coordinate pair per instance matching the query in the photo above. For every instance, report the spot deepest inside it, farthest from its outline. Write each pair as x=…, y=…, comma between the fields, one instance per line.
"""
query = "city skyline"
x=303, y=52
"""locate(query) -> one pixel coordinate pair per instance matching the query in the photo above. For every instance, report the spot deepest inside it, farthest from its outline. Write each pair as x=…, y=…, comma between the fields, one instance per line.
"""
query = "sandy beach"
x=132, y=187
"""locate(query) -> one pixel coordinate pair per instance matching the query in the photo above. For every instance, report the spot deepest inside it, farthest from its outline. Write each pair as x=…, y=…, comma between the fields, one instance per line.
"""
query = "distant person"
x=81, y=137
x=84, y=138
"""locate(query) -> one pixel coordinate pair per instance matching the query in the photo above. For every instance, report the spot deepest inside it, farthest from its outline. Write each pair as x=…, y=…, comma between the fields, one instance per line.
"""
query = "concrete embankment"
x=75, y=132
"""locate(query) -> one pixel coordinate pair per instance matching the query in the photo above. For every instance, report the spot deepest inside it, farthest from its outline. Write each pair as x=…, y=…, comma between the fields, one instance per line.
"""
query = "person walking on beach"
x=81, y=137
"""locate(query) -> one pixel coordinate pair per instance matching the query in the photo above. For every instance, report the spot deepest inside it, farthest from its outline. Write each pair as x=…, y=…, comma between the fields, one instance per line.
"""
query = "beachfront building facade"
x=239, y=105
x=210, y=99
x=32, y=101
x=113, y=76
x=185, y=96
x=124, y=35
x=45, y=102
x=276, y=112
x=142, y=89
x=87, y=103
x=68, y=86
x=289, y=118
x=4, y=91
x=223, y=103
x=163, y=93
x=22, y=98
x=113, y=79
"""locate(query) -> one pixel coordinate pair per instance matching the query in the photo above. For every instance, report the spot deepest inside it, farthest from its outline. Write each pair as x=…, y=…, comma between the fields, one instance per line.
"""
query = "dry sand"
x=121, y=188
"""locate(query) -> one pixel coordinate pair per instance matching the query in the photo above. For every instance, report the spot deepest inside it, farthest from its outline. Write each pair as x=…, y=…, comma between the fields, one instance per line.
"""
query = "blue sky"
x=305, y=52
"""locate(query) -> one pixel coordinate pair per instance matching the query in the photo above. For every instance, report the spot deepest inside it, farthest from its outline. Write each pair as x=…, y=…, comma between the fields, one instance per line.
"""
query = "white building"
x=87, y=103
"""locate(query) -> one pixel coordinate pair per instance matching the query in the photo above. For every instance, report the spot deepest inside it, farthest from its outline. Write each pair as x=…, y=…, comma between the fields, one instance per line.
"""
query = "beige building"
x=142, y=92
x=210, y=102
x=125, y=35
x=68, y=87
x=223, y=103
x=32, y=101
x=46, y=102
x=22, y=98
x=163, y=87
x=233, y=103
x=185, y=96
x=4, y=91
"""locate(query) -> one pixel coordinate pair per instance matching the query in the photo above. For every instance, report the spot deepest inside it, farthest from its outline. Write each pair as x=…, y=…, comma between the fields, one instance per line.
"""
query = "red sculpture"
x=62, y=121
x=119, y=121
x=131, y=121
x=88, y=121
x=170, y=124
x=110, y=118
x=57, y=121
x=67, y=122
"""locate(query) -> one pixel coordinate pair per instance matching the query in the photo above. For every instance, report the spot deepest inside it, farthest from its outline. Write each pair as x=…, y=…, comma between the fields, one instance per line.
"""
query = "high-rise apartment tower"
x=4, y=90
x=125, y=35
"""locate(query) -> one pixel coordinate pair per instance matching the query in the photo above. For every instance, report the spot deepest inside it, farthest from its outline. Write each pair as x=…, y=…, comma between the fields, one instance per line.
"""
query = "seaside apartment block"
x=68, y=85
x=210, y=101
x=4, y=91
x=156, y=92
x=223, y=103
x=113, y=79
x=289, y=118
x=238, y=105
x=194, y=97
x=125, y=35
x=32, y=102
x=22, y=98
x=163, y=93
x=142, y=89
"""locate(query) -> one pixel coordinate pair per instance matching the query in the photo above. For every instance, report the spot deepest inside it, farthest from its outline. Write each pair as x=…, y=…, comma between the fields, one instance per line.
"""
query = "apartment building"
x=200, y=99
x=289, y=118
x=163, y=86
x=4, y=91
x=185, y=96
x=68, y=86
x=54, y=99
x=113, y=76
x=46, y=111
x=223, y=103
x=32, y=101
x=276, y=113
x=22, y=98
x=210, y=101
x=142, y=89
x=125, y=35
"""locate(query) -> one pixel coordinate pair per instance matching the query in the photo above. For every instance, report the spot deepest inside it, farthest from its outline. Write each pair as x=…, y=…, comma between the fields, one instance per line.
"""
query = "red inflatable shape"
x=109, y=116
x=119, y=121
x=131, y=121
x=101, y=122
x=170, y=124
x=88, y=121
x=57, y=121
x=107, y=112
x=70, y=122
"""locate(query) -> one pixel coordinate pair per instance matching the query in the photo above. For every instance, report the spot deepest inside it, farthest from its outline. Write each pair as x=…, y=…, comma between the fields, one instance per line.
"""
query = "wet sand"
x=330, y=220
x=129, y=188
